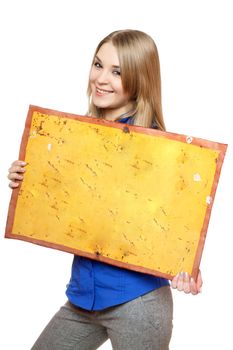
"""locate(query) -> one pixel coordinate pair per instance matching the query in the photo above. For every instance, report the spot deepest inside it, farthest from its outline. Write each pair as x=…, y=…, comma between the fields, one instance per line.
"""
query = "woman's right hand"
x=16, y=172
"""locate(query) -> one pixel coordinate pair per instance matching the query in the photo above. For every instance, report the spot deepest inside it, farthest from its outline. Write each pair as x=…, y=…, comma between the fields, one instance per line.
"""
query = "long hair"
x=140, y=74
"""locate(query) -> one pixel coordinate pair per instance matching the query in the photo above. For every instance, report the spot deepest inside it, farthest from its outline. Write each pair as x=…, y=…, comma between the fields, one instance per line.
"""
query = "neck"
x=110, y=115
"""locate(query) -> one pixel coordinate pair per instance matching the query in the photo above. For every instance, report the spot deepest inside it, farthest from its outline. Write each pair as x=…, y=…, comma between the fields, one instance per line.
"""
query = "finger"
x=193, y=286
x=16, y=169
x=13, y=185
x=15, y=176
x=174, y=281
x=186, y=285
x=180, y=282
x=19, y=162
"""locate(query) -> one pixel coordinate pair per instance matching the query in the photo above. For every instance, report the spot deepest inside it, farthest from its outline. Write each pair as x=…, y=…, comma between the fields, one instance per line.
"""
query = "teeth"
x=103, y=91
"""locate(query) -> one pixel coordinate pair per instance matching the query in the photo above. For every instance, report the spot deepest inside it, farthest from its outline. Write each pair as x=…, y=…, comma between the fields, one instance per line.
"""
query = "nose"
x=103, y=77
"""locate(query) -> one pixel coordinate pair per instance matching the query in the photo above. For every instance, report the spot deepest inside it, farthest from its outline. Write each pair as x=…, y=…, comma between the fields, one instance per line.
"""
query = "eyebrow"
x=101, y=62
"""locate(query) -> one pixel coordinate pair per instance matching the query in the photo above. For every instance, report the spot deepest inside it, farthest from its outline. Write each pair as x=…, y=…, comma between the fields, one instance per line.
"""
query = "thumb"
x=199, y=281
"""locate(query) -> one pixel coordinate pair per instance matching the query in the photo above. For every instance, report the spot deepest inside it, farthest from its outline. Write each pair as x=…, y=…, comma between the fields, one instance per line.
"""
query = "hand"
x=16, y=172
x=183, y=282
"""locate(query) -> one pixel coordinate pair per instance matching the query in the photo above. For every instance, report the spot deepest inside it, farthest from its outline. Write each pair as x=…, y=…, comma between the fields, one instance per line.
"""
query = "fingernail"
x=23, y=163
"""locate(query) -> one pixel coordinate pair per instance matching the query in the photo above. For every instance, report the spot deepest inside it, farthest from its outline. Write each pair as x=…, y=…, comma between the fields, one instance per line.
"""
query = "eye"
x=116, y=72
x=97, y=64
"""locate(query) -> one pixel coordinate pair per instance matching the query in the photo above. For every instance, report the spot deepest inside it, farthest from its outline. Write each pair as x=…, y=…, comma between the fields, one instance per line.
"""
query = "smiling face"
x=106, y=85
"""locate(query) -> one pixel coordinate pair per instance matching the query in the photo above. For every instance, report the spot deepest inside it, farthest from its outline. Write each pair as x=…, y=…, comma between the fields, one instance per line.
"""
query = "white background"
x=46, y=51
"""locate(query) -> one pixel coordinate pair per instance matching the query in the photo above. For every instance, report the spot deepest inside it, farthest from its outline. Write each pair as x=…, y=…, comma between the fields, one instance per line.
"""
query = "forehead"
x=108, y=54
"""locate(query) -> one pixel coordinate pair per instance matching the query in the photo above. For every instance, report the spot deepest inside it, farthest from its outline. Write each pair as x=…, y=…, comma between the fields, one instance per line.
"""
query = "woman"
x=133, y=309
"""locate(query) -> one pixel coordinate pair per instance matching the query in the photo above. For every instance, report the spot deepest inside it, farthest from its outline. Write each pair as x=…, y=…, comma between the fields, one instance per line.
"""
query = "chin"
x=102, y=104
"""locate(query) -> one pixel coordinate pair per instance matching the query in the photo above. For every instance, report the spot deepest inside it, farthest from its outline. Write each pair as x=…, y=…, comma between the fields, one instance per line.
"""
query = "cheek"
x=92, y=76
x=120, y=91
x=118, y=87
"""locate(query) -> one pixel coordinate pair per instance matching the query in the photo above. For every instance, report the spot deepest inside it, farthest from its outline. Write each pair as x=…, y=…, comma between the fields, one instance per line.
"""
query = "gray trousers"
x=144, y=323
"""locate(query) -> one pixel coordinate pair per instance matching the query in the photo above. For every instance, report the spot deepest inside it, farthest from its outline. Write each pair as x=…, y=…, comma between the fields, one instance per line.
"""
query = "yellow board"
x=124, y=195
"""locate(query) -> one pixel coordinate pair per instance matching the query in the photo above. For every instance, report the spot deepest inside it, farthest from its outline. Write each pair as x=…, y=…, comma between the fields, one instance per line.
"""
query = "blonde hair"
x=140, y=74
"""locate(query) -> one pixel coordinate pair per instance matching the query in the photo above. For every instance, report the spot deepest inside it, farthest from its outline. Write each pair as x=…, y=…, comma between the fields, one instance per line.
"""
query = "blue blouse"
x=95, y=285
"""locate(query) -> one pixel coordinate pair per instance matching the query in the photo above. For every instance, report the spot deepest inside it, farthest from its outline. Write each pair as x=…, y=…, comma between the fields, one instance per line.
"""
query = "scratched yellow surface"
x=132, y=197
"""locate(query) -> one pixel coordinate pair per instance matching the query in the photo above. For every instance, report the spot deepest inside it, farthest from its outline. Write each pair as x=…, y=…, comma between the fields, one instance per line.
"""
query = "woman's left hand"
x=184, y=283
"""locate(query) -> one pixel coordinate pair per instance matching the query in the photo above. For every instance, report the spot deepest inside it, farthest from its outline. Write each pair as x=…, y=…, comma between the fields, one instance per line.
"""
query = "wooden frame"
x=129, y=196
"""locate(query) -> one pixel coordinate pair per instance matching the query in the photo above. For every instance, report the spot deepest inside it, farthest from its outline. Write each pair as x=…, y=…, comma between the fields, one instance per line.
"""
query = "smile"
x=103, y=92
